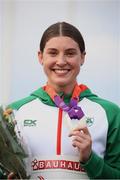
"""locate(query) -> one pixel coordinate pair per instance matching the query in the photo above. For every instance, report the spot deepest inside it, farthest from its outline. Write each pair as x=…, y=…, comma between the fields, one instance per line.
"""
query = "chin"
x=63, y=84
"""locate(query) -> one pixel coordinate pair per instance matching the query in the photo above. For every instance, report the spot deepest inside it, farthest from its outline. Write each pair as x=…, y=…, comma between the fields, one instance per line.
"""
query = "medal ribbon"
x=73, y=110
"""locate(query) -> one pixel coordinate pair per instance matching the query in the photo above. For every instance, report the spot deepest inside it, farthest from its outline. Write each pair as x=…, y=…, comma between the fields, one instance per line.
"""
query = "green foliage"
x=11, y=152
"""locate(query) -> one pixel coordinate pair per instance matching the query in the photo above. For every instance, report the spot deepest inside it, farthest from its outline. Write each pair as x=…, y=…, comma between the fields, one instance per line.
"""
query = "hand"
x=82, y=140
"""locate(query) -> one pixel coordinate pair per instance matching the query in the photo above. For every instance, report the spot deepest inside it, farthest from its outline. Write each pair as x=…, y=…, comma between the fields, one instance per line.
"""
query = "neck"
x=65, y=89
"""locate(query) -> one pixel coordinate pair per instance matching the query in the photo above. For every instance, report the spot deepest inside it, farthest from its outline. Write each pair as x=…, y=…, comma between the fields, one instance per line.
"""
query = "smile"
x=61, y=71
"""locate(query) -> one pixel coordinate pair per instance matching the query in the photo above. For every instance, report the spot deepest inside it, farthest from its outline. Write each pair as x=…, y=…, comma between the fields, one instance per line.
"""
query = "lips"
x=61, y=71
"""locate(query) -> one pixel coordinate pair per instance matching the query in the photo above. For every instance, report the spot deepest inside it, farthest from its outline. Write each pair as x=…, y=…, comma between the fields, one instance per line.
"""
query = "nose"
x=61, y=60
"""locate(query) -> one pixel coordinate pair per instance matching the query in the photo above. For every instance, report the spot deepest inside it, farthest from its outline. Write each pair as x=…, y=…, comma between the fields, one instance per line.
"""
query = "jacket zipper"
x=59, y=132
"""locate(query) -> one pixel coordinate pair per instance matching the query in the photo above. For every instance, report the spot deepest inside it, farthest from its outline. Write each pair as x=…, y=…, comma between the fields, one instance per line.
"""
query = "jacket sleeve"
x=109, y=167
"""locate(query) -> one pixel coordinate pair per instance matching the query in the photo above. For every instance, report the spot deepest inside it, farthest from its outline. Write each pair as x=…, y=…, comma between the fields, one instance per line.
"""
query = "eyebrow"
x=69, y=49
x=51, y=49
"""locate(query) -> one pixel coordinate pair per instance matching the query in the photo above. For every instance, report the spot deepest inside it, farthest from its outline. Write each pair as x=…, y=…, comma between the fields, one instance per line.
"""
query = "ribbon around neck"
x=73, y=110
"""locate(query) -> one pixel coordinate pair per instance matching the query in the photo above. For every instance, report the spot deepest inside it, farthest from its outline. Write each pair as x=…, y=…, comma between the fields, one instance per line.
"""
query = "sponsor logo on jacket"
x=30, y=122
x=56, y=164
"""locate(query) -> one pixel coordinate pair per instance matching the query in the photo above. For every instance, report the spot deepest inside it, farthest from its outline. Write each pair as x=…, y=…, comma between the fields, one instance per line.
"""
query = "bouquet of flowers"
x=11, y=152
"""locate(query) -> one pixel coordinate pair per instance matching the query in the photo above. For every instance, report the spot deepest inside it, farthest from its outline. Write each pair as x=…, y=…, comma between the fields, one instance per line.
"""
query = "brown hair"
x=62, y=29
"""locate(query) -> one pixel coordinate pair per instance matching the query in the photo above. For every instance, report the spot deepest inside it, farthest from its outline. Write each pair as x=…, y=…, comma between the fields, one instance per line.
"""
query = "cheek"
x=75, y=61
x=75, y=64
x=47, y=61
x=77, y=67
x=47, y=65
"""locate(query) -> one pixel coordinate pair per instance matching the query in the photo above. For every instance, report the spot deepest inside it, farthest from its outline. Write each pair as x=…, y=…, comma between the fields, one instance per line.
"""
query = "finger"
x=80, y=137
x=83, y=130
x=77, y=144
x=74, y=133
x=79, y=134
x=78, y=131
x=80, y=142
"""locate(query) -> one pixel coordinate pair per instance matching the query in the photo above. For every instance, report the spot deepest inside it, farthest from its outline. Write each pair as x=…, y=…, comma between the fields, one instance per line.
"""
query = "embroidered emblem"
x=30, y=122
x=89, y=121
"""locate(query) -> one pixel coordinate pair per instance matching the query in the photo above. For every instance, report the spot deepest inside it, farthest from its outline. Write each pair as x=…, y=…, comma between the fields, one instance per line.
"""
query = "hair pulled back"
x=62, y=29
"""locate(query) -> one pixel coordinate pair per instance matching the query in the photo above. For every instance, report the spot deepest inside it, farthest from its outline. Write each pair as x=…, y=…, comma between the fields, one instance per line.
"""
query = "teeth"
x=61, y=70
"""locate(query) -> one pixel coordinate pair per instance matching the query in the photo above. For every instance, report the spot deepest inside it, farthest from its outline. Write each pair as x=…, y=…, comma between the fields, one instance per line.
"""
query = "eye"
x=52, y=53
x=70, y=53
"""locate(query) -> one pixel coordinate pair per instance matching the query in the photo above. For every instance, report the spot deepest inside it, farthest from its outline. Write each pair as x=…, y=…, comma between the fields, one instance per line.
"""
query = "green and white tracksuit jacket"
x=43, y=132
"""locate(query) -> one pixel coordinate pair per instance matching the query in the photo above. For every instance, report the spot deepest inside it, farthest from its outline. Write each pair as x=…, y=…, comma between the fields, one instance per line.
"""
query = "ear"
x=40, y=57
x=83, y=58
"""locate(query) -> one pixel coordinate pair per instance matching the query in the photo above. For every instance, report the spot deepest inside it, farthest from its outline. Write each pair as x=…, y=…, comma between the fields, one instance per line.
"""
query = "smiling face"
x=61, y=60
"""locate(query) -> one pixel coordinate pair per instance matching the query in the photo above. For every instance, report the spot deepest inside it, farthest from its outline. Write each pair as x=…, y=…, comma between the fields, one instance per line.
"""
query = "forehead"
x=61, y=42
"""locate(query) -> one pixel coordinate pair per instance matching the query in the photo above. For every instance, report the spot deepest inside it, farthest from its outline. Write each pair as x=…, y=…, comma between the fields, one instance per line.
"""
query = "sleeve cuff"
x=93, y=165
